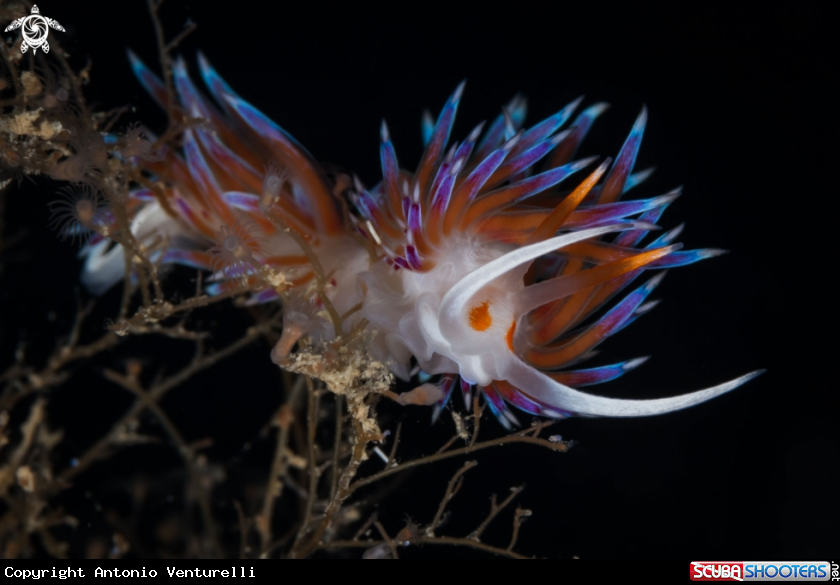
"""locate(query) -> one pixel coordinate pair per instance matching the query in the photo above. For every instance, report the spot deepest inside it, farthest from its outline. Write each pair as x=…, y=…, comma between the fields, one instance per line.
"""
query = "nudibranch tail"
x=238, y=199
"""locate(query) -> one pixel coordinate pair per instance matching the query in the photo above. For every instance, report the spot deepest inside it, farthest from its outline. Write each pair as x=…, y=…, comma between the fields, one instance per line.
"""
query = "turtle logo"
x=34, y=30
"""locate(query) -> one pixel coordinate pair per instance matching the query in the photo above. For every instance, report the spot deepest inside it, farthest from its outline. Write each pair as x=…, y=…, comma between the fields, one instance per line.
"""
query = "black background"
x=739, y=114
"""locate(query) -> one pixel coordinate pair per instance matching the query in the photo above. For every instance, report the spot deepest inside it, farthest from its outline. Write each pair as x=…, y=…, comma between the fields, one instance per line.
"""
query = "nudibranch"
x=481, y=266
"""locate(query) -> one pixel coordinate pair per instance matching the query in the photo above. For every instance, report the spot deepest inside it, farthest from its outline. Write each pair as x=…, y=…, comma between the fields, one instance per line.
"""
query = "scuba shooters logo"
x=34, y=29
x=764, y=571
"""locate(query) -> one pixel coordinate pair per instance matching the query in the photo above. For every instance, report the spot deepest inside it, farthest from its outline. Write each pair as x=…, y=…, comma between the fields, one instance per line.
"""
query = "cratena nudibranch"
x=484, y=266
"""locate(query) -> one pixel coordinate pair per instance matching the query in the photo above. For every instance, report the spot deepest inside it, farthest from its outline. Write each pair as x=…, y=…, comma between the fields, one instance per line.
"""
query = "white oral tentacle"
x=541, y=387
x=454, y=303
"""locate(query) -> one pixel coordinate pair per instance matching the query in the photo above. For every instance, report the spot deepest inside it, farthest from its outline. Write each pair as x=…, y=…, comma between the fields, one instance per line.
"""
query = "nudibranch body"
x=476, y=265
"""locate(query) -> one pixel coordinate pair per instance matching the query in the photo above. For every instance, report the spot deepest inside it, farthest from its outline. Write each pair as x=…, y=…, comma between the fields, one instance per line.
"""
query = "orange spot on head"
x=510, y=333
x=480, y=318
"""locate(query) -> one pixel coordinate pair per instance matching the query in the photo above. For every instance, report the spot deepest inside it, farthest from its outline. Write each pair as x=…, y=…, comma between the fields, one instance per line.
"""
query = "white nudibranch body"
x=475, y=266
x=404, y=307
